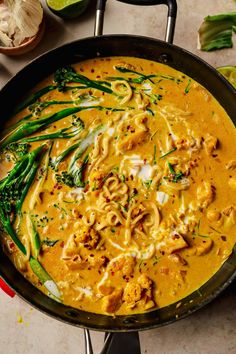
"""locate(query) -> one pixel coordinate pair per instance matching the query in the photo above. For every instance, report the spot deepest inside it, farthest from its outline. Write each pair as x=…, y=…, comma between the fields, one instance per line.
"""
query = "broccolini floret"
x=74, y=176
x=15, y=151
x=68, y=74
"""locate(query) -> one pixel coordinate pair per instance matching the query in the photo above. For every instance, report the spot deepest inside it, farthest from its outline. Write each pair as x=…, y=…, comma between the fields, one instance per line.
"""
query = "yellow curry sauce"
x=140, y=212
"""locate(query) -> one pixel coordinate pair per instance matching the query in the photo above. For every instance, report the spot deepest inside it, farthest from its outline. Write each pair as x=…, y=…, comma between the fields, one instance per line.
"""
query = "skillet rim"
x=129, y=326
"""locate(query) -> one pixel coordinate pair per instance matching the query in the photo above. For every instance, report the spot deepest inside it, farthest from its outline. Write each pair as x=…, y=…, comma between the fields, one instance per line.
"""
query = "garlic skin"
x=19, y=19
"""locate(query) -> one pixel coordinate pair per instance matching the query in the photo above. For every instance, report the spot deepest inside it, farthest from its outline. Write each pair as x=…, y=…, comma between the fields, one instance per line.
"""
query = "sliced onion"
x=19, y=19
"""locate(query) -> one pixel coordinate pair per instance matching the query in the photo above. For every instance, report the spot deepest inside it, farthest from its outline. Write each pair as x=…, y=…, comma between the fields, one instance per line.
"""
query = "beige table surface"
x=212, y=330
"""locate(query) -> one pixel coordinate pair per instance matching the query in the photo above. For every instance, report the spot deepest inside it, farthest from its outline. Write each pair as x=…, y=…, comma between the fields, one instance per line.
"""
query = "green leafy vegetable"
x=216, y=31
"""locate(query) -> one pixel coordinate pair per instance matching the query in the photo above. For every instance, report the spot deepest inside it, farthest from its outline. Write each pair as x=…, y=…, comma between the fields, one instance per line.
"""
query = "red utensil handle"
x=6, y=288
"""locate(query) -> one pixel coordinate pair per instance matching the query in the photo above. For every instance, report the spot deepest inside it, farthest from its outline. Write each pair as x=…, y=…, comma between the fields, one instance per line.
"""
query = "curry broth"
x=145, y=214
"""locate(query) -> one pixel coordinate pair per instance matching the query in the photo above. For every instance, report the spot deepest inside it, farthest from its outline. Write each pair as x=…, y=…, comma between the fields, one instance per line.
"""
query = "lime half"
x=67, y=8
x=229, y=72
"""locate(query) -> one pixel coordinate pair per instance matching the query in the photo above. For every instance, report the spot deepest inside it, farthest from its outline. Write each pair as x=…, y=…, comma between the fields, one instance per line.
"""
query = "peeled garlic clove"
x=28, y=15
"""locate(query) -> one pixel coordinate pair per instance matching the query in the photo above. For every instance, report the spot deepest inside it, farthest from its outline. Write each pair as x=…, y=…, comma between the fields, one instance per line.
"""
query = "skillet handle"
x=171, y=17
x=124, y=342
x=6, y=288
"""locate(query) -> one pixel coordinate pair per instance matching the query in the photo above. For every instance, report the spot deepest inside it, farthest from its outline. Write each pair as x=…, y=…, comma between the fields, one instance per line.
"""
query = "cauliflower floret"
x=210, y=143
x=213, y=215
x=71, y=248
x=111, y=303
x=125, y=264
x=204, y=247
x=231, y=165
x=88, y=237
x=205, y=194
x=139, y=293
x=232, y=183
x=75, y=263
x=145, y=282
x=146, y=285
x=98, y=261
x=173, y=244
x=132, y=140
x=132, y=293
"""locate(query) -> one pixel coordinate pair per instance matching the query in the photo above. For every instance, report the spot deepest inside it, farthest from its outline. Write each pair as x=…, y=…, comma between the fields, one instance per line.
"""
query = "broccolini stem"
x=78, y=172
x=33, y=126
x=34, y=237
x=89, y=140
x=60, y=134
x=33, y=98
x=65, y=153
x=11, y=232
x=29, y=181
x=44, y=277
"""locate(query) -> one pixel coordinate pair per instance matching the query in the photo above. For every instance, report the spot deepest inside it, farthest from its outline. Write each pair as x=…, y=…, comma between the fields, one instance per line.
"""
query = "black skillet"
x=134, y=46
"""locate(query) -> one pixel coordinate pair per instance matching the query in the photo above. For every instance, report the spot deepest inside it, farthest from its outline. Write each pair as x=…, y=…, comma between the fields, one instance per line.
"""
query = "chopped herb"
x=133, y=195
x=187, y=89
x=154, y=98
x=113, y=230
x=153, y=134
x=204, y=236
x=49, y=243
x=156, y=260
x=197, y=233
x=147, y=183
x=214, y=229
x=171, y=168
x=122, y=178
x=175, y=176
x=138, y=80
x=95, y=186
x=150, y=111
x=169, y=77
x=167, y=153
x=155, y=155
x=115, y=169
